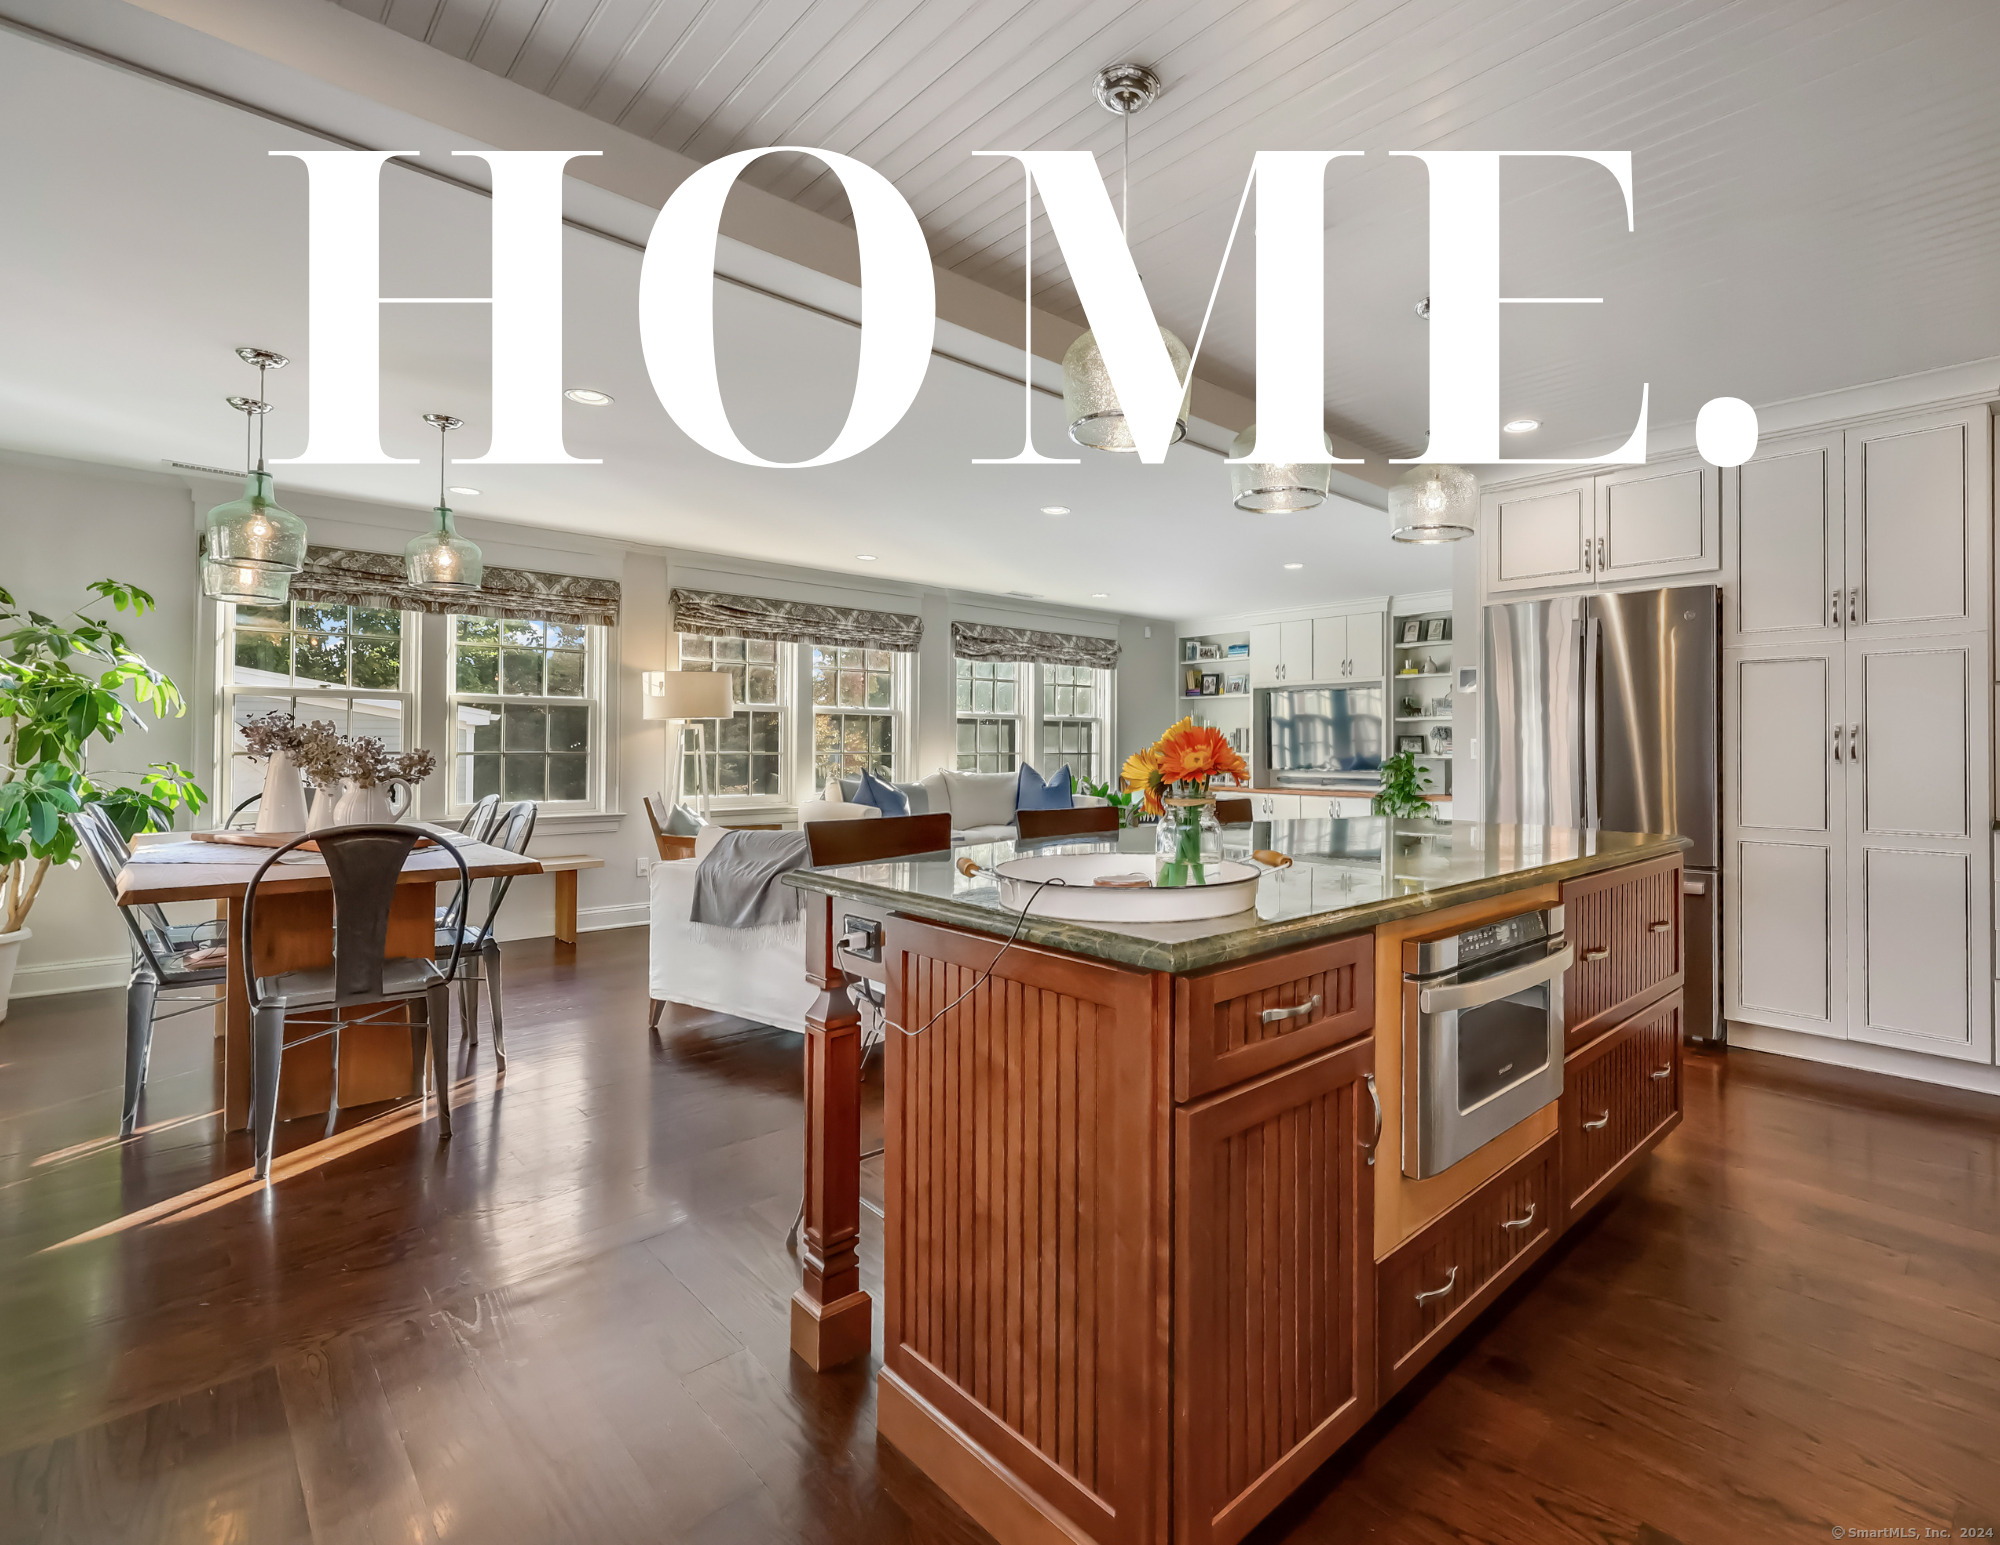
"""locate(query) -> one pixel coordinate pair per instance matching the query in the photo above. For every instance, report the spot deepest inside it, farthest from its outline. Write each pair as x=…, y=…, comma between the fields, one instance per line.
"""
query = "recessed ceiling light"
x=864, y=557
x=1295, y=565
x=589, y=398
x=1100, y=595
x=470, y=493
x=1520, y=426
x=1055, y=509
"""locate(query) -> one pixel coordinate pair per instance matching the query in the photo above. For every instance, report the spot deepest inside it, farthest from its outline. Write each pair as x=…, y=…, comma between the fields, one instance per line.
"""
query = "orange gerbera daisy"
x=1142, y=775
x=1191, y=753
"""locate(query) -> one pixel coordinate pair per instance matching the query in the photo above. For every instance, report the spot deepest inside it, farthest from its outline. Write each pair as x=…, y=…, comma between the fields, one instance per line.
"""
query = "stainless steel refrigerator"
x=1603, y=711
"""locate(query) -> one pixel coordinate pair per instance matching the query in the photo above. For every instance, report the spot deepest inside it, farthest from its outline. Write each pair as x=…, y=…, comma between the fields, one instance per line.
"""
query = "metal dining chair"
x=364, y=863
x=476, y=827
x=241, y=806
x=480, y=949
x=170, y=961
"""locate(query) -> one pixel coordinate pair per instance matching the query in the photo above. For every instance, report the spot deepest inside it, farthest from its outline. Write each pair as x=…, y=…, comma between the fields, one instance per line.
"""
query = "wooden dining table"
x=295, y=932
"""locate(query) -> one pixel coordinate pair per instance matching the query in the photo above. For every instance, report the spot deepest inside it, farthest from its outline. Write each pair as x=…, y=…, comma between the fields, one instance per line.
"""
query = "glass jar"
x=1187, y=842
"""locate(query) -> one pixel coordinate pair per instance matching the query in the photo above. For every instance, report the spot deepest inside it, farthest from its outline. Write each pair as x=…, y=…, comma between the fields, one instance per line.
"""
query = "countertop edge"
x=1223, y=948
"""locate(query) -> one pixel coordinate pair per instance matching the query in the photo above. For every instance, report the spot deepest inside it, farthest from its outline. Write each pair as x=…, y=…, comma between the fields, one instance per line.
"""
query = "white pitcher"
x=371, y=806
x=283, y=807
x=325, y=804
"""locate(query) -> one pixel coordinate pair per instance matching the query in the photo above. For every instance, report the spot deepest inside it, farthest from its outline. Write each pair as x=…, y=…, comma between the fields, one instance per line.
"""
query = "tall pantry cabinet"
x=1857, y=800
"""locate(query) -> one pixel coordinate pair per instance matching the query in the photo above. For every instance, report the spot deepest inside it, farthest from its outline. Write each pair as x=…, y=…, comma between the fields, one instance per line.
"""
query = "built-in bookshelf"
x=1220, y=661
x=1422, y=668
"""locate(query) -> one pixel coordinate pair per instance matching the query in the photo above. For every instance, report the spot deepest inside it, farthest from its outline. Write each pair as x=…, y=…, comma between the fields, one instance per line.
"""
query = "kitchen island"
x=1155, y=1244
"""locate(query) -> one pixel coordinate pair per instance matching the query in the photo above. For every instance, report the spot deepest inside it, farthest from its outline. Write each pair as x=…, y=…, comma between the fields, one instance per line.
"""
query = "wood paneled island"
x=1150, y=1255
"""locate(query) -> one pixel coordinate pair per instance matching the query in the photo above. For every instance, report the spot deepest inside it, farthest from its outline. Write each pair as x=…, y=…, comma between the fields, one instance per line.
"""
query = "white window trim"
x=1104, y=718
x=682, y=739
x=599, y=673
x=900, y=713
x=1031, y=739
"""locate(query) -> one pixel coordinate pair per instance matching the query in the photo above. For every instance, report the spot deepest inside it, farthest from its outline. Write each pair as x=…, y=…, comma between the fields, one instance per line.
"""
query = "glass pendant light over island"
x=1276, y=488
x=1433, y=503
x=252, y=546
x=1089, y=401
x=441, y=559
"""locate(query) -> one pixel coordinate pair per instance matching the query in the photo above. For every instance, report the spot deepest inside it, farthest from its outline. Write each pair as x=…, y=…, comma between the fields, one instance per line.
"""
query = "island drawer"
x=1625, y=925
x=1619, y=1093
x=1238, y=1022
x=1431, y=1285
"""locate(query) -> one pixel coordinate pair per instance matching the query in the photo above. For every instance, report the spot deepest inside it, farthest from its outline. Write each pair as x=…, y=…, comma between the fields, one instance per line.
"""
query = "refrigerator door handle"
x=1591, y=638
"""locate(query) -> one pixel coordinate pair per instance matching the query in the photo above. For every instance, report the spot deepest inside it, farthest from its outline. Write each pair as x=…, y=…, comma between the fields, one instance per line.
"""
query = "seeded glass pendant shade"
x=252, y=546
x=1091, y=404
x=1433, y=503
x=1276, y=487
x=441, y=559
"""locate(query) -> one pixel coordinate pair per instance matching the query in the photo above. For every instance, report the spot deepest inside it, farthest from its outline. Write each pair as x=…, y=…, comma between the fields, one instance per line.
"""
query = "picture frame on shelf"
x=1441, y=740
x=1236, y=684
x=1211, y=683
x=1211, y=651
x=1190, y=649
x=1410, y=745
x=1434, y=630
x=1410, y=628
x=1239, y=651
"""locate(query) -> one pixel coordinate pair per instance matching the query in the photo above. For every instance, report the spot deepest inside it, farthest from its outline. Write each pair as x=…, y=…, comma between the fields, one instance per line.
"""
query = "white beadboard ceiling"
x=1818, y=193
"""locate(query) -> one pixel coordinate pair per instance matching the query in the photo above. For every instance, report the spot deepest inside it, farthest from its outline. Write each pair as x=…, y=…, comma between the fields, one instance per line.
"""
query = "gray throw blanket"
x=738, y=884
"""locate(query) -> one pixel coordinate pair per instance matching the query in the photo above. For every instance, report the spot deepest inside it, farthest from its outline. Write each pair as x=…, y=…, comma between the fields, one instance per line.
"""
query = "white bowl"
x=1231, y=888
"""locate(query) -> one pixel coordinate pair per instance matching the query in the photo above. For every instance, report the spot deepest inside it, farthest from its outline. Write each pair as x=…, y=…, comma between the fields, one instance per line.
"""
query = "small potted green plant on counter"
x=62, y=683
x=1403, y=784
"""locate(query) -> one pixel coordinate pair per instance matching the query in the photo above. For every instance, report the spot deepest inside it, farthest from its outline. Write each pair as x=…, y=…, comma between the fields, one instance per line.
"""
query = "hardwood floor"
x=570, y=1323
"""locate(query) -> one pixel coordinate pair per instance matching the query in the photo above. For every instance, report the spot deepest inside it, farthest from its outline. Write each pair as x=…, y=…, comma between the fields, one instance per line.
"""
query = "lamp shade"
x=254, y=546
x=441, y=559
x=1277, y=488
x=689, y=695
x=1433, y=503
x=1090, y=402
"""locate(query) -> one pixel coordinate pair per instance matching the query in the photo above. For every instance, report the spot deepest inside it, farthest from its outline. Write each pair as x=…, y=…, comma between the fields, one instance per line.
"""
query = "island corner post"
x=832, y=1317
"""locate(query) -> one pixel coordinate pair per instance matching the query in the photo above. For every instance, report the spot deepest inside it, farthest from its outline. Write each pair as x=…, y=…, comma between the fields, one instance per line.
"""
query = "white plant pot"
x=325, y=801
x=283, y=807
x=368, y=807
x=10, y=956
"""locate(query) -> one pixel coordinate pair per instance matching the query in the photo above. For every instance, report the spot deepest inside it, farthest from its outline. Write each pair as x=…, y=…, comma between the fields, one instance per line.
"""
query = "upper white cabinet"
x=1281, y=654
x=1347, y=648
x=1871, y=532
x=1636, y=523
x=1543, y=537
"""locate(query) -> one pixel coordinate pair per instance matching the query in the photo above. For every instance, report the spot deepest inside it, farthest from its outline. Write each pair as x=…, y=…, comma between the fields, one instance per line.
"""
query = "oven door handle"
x=1447, y=996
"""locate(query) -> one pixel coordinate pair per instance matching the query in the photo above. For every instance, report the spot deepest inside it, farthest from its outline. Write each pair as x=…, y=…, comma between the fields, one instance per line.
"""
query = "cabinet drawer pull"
x=1658, y=927
x=1298, y=1010
x=1373, y=1094
x=1450, y=1282
x=1602, y=952
x=1603, y=1120
x=1659, y=1073
x=1520, y=1222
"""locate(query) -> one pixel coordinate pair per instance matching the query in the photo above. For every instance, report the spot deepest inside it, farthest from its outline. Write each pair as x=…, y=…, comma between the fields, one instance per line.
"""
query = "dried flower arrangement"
x=320, y=754
x=367, y=762
x=415, y=766
x=269, y=733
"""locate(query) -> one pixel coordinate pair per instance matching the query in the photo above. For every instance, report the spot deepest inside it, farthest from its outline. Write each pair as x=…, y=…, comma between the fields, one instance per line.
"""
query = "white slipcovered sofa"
x=981, y=805
x=754, y=973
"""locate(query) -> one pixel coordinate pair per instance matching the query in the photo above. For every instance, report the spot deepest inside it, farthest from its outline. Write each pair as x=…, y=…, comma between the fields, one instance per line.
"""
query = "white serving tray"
x=1231, y=888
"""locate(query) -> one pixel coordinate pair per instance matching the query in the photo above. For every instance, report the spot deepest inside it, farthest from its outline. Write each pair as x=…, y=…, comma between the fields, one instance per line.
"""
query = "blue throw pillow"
x=1033, y=792
x=885, y=797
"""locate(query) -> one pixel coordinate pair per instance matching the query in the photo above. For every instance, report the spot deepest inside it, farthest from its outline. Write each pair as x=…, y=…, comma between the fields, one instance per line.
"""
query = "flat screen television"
x=1326, y=729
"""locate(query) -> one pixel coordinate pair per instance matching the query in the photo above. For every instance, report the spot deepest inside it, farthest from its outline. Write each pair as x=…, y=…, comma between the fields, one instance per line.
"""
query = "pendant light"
x=441, y=559
x=252, y=546
x=1433, y=503
x=1089, y=401
x=1276, y=487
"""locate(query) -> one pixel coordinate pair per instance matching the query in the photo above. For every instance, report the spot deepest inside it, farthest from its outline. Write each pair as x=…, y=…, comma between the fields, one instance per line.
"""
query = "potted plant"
x=61, y=684
x=1123, y=801
x=1402, y=795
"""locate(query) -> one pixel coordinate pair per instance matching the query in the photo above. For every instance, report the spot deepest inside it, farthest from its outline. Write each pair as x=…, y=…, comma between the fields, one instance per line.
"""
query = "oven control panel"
x=1455, y=951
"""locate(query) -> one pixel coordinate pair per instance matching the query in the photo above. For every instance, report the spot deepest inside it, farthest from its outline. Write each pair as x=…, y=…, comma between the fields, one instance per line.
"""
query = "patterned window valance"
x=1027, y=646
x=794, y=622
x=338, y=576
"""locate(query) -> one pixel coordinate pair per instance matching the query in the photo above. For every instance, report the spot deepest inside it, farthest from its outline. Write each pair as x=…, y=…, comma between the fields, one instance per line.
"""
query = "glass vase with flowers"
x=1174, y=776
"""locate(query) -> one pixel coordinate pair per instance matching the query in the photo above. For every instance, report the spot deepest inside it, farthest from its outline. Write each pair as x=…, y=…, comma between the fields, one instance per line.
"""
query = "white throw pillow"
x=707, y=838
x=980, y=799
x=819, y=810
x=937, y=798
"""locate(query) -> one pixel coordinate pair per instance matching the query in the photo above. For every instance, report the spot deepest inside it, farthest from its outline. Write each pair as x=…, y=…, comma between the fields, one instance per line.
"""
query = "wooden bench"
x=565, y=868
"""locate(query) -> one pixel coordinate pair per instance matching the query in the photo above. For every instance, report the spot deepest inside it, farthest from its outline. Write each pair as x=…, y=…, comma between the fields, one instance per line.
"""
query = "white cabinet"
x=1635, y=523
x=1856, y=801
x=1874, y=532
x=1347, y=648
x=1281, y=654
x=1274, y=807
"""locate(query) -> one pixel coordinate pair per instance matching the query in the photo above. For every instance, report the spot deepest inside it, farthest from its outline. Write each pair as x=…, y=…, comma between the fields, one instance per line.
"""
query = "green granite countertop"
x=1345, y=877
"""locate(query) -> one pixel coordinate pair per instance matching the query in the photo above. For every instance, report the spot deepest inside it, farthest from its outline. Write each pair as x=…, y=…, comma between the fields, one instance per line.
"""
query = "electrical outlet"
x=643, y=865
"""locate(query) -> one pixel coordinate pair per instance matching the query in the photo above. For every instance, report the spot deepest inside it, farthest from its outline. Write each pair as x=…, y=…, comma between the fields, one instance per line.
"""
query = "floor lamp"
x=678, y=698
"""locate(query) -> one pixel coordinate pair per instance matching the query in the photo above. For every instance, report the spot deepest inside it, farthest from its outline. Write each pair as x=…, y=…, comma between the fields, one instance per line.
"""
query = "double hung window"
x=856, y=707
x=524, y=711
x=745, y=753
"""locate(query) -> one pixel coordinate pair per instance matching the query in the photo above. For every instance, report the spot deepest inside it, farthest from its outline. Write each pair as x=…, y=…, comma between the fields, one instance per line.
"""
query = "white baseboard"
x=42, y=981
x=630, y=914
x=1887, y=1060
